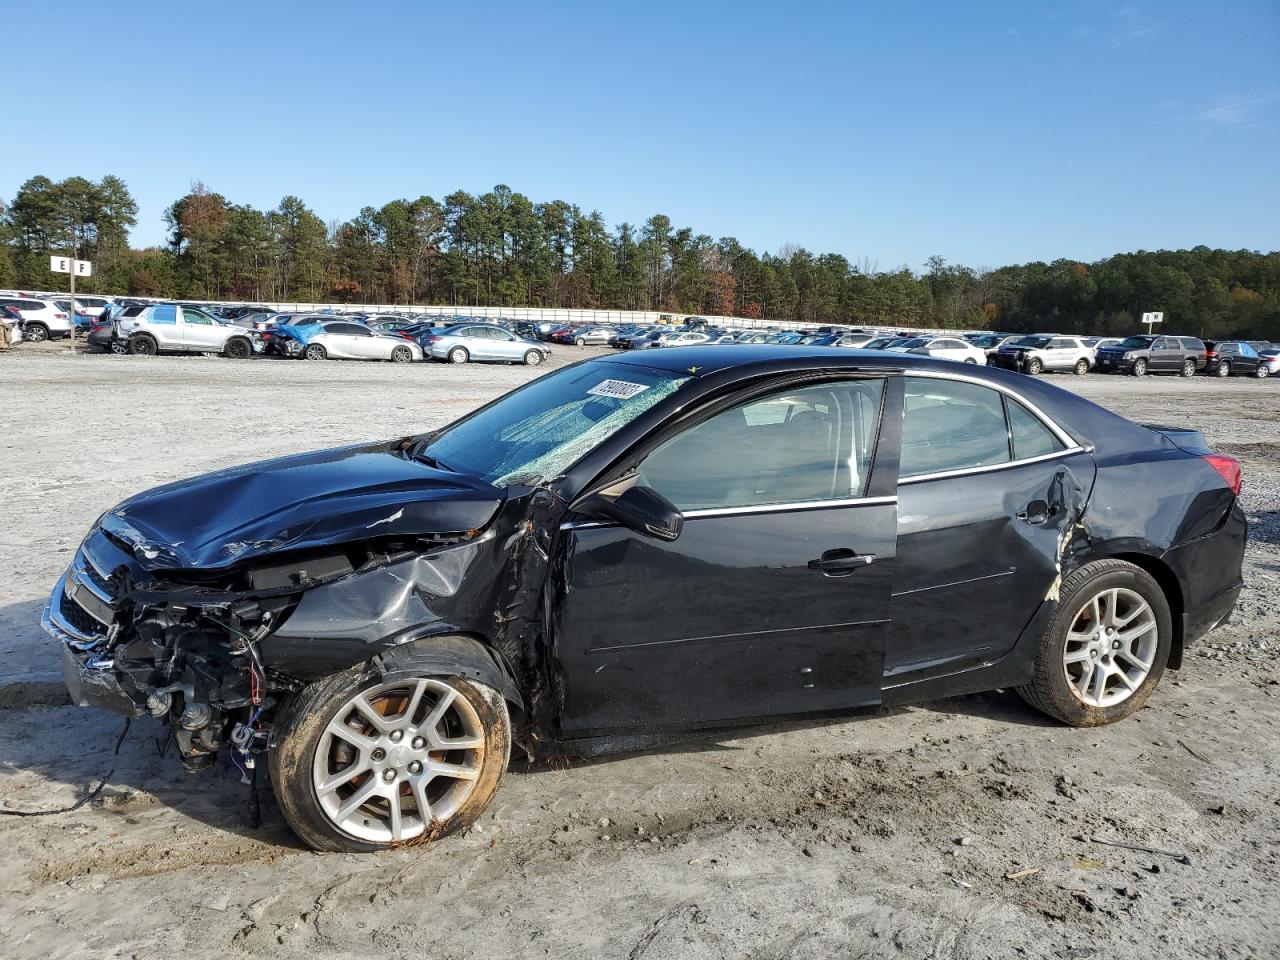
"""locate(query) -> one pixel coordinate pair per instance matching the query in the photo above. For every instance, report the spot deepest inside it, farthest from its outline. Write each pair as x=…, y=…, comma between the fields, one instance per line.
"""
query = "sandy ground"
x=954, y=829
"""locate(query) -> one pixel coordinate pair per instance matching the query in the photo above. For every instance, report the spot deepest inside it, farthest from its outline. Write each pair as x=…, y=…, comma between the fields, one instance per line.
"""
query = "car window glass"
x=1031, y=438
x=950, y=425
x=195, y=316
x=164, y=313
x=811, y=444
x=1247, y=351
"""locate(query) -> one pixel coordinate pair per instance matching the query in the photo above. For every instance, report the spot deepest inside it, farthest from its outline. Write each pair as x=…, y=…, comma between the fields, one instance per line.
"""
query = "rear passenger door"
x=1166, y=355
x=985, y=489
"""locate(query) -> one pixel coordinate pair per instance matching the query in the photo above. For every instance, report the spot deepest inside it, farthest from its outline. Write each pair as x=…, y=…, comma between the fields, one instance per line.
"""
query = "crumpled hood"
x=313, y=499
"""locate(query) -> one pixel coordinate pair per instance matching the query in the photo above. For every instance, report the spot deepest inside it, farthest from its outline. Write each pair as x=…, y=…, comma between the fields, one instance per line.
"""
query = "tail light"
x=405, y=335
x=60, y=316
x=1228, y=468
x=433, y=339
x=1210, y=353
x=265, y=335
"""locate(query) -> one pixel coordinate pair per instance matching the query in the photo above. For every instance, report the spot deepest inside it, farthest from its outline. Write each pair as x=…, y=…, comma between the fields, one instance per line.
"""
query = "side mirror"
x=641, y=509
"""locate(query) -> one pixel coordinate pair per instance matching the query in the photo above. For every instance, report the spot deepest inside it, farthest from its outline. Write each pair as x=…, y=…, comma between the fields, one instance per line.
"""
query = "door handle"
x=1037, y=512
x=841, y=562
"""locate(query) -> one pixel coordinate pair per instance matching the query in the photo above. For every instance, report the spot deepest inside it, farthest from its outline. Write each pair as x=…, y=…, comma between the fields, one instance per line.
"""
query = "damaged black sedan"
x=628, y=549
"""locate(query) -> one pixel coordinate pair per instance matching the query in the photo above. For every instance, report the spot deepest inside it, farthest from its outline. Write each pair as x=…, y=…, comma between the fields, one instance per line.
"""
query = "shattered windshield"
x=538, y=431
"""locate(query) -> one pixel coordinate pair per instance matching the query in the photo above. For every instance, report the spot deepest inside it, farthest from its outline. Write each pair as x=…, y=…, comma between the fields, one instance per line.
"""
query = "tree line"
x=501, y=248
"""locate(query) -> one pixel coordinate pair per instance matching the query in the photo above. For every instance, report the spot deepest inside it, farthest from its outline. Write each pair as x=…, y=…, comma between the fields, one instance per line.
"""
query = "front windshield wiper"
x=430, y=461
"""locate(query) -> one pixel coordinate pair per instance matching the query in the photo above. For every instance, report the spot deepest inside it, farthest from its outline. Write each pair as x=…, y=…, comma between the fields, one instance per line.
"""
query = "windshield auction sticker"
x=618, y=389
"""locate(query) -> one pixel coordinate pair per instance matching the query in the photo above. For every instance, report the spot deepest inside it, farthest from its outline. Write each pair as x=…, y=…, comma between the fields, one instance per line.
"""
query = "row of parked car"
x=145, y=327
x=1030, y=354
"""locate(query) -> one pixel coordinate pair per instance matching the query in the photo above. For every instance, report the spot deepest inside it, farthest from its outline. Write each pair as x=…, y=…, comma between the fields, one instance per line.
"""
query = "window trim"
x=1070, y=445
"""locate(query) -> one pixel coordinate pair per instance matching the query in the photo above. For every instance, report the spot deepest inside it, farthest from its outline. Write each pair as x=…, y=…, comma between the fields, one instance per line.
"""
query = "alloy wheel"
x=1188, y=368
x=1111, y=647
x=397, y=757
x=36, y=334
x=1224, y=369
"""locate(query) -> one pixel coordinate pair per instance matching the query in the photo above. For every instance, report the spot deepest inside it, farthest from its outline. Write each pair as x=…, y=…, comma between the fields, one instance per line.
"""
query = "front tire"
x=532, y=358
x=238, y=348
x=1106, y=647
x=1140, y=367
x=1034, y=366
x=361, y=762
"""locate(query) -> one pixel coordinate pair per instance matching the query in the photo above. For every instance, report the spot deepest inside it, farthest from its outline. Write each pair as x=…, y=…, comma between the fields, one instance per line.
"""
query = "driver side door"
x=774, y=600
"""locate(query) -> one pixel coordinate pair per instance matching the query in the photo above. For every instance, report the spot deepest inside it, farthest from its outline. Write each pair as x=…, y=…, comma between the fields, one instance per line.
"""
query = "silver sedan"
x=483, y=341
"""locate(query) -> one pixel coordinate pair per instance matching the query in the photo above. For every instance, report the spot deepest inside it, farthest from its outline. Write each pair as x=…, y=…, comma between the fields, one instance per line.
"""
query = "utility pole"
x=74, y=251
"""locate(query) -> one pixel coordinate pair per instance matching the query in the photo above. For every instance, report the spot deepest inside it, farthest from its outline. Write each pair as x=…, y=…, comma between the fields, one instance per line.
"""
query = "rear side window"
x=1191, y=343
x=950, y=425
x=165, y=313
x=1030, y=437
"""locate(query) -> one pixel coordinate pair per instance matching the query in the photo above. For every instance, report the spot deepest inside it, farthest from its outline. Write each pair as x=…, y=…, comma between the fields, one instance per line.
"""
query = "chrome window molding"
x=792, y=507
x=990, y=468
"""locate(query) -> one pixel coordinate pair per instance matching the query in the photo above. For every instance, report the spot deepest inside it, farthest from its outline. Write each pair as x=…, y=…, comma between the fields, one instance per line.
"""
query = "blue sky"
x=988, y=133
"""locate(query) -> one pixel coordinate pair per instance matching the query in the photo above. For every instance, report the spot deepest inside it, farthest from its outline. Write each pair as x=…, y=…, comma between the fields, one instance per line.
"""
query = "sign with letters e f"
x=81, y=268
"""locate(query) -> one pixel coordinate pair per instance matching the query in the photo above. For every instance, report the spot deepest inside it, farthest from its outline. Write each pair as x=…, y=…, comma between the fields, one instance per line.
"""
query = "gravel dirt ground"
x=954, y=829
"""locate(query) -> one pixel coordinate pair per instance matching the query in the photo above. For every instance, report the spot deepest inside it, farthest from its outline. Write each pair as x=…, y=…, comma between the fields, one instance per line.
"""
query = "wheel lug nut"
x=418, y=743
x=396, y=736
x=379, y=754
x=415, y=767
x=388, y=775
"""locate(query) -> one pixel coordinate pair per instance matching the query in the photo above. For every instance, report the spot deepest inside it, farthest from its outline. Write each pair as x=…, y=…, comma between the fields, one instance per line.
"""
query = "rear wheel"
x=580, y=342
x=401, y=355
x=970, y=360
x=361, y=762
x=119, y=347
x=36, y=333
x=238, y=348
x=1188, y=368
x=1081, y=367
x=1224, y=369
x=1260, y=371
x=315, y=351
x=142, y=345
x=1106, y=647
x=1034, y=366
x=1140, y=367
x=533, y=357
x=459, y=355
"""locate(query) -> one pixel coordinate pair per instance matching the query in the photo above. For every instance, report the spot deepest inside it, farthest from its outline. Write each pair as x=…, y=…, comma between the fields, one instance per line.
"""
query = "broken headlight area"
x=184, y=645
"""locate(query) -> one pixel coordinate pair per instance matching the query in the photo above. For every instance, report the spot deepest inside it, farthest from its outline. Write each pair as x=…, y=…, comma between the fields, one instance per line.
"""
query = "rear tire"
x=143, y=345
x=1260, y=372
x=459, y=355
x=1188, y=368
x=580, y=342
x=1082, y=367
x=305, y=756
x=1140, y=367
x=36, y=333
x=315, y=351
x=401, y=355
x=119, y=347
x=1224, y=369
x=1077, y=652
x=970, y=360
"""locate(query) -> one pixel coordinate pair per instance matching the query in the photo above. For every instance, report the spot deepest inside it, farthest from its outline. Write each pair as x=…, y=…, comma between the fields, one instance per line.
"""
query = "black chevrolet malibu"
x=638, y=546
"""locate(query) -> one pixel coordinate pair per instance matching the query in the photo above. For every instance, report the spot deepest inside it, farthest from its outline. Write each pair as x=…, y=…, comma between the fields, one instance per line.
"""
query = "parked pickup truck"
x=168, y=326
x=1145, y=354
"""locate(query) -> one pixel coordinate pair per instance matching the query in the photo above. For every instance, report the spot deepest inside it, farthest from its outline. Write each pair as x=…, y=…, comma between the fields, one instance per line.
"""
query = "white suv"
x=167, y=326
x=1043, y=353
x=41, y=319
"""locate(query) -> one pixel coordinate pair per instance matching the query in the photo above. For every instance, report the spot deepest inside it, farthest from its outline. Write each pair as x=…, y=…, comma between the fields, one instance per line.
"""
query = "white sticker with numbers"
x=618, y=389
